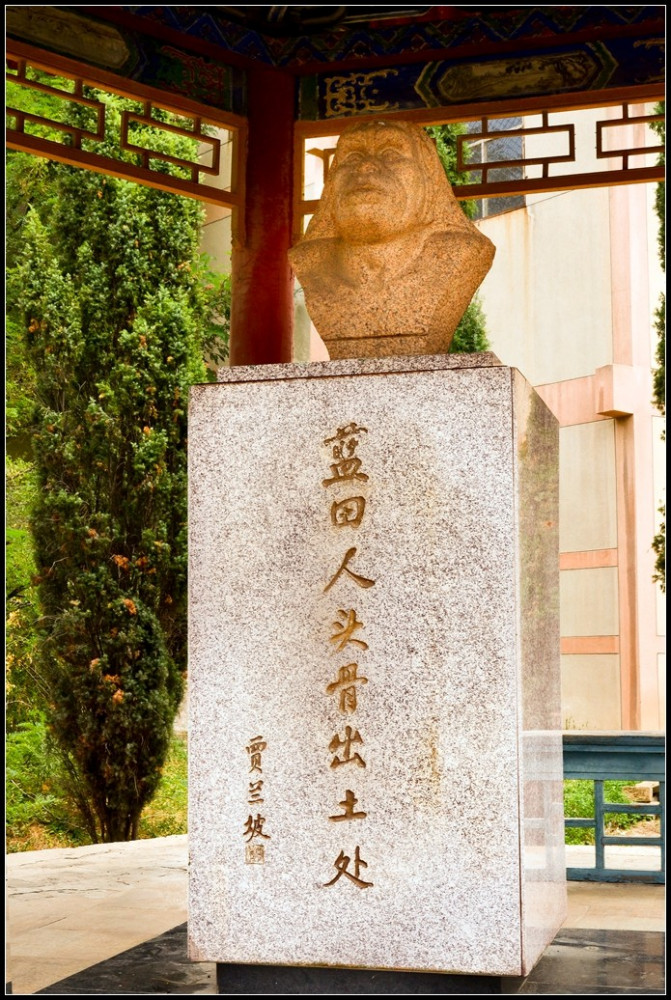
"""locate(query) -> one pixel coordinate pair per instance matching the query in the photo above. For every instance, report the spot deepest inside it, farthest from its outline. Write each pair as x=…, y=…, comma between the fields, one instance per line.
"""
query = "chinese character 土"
x=346, y=684
x=344, y=630
x=254, y=828
x=348, y=757
x=348, y=804
x=255, y=749
x=361, y=581
x=347, y=464
x=342, y=864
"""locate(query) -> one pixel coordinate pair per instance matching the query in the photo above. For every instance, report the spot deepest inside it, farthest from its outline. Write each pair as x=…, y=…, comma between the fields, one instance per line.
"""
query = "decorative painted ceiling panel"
x=467, y=28
x=357, y=68
x=445, y=83
x=137, y=57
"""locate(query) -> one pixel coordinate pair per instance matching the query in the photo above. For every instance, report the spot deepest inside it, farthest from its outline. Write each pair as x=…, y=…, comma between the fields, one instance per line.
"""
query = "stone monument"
x=375, y=748
x=389, y=261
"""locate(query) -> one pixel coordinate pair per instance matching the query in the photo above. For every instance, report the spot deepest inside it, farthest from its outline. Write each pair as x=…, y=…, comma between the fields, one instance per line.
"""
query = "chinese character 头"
x=345, y=629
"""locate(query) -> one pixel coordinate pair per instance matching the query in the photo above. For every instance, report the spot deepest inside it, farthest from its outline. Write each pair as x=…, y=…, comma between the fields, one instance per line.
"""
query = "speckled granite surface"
x=362, y=538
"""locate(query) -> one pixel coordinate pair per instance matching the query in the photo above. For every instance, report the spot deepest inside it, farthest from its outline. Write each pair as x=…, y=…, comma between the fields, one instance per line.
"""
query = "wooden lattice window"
x=512, y=155
x=141, y=136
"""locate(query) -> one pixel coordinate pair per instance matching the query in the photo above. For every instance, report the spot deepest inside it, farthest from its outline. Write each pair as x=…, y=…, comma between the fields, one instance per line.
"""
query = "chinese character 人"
x=361, y=581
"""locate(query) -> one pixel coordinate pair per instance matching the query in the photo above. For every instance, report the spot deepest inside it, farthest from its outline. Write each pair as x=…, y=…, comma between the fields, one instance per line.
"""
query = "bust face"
x=377, y=183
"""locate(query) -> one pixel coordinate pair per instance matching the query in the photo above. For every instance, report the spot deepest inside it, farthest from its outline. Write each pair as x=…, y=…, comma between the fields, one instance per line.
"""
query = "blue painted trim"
x=631, y=757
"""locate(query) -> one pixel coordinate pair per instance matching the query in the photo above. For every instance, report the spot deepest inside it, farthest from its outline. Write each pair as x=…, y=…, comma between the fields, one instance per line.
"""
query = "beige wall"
x=587, y=508
x=569, y=301
x=591, y=692
x=552, y=261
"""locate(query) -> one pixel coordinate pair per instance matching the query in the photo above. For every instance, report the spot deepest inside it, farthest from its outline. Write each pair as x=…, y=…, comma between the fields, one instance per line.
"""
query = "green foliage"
x=659, y=373
x=660, y=199
x=659, y=548
x=167, y=813
x=579, y=803
x=115, y=307
x=39, y=798
x=445, y=137
x=24, y=688
x=471, y=334
x=35, y=791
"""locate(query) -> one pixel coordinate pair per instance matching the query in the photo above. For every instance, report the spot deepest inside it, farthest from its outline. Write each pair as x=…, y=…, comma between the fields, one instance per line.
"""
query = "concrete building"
x=570, y=301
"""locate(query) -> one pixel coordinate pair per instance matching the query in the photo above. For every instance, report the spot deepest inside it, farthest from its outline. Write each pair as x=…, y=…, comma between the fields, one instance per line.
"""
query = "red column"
x=262, y=284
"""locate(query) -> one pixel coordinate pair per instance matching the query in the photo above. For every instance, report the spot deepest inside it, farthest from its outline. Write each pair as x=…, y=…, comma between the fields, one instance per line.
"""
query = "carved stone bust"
x=389, y=261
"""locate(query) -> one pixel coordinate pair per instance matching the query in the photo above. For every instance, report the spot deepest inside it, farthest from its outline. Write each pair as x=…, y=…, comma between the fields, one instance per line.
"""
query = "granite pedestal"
x=375, y=749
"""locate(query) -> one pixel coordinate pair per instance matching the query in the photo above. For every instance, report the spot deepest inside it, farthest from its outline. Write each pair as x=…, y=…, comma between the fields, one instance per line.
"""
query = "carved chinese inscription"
x=346, y=686
x=346, y=464
x=342, y=864
x=347, y=756
x=348, y=804
x=347, y=510
x=343, y=631
x=361, y=581
x=253, y=830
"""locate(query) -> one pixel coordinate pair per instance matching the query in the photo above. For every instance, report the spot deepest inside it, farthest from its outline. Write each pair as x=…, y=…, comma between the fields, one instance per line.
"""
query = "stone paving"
x=72, y=908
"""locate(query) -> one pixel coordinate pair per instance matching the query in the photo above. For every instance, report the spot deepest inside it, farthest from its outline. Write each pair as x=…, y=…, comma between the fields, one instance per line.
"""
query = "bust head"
x=385, y=180
x=389, y=261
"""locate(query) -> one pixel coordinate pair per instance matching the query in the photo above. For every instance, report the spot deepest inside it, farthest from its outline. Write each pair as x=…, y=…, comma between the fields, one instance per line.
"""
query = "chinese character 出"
x=342, y=864
x=348, y=757
x=346, y=683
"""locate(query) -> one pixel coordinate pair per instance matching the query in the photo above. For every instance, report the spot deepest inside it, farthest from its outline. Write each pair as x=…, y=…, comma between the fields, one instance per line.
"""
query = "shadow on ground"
x=577, y=962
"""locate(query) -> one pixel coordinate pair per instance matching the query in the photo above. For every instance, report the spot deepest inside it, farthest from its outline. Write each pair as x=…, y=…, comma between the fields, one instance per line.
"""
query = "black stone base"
x=278, y=979
x=577, y=962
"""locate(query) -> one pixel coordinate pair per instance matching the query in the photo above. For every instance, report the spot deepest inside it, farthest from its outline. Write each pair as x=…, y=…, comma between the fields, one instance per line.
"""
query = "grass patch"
x=579, y=802
x=37, y=809
x=166, y=813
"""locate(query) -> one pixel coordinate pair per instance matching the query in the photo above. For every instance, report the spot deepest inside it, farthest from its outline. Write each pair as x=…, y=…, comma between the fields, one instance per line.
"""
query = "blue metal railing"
x=600, y=757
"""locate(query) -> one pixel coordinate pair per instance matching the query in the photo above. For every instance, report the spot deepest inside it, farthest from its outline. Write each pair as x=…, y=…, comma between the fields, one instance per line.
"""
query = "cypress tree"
x=115, y=317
